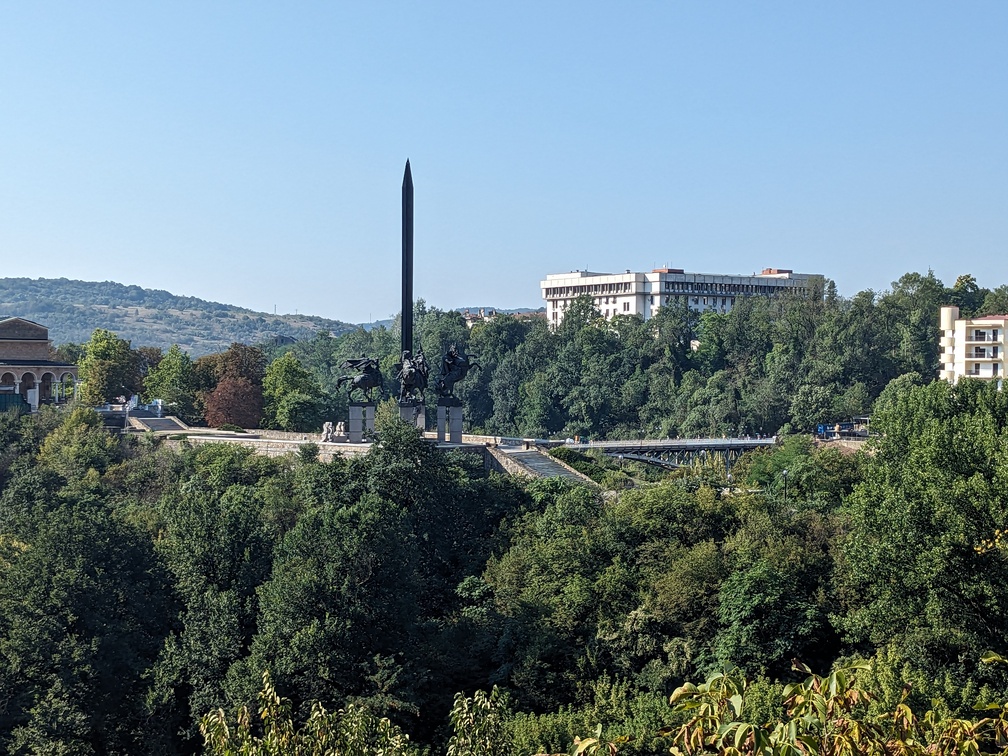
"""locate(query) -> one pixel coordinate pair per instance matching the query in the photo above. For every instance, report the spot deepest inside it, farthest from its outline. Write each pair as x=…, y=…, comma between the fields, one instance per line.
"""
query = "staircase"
x=542, y=465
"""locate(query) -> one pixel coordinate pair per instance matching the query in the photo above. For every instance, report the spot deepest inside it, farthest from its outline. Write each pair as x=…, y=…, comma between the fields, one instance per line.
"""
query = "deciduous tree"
x=235, y=401
x=173, y=382
x=108, y=369
x=292, y=399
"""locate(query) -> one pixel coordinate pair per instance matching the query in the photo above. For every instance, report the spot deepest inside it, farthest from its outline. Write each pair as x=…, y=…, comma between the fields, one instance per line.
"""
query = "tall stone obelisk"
x=407, y=261
x=410, y=408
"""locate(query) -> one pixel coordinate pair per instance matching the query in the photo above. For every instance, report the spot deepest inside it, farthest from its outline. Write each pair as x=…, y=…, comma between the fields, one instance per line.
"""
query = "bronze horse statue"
x=412, y=376
x=455, y=365
x=367, y=379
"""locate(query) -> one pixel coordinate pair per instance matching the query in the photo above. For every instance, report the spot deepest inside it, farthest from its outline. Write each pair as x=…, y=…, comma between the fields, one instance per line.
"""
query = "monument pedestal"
x=414, y=414
x=361, y=421
x=449, y=421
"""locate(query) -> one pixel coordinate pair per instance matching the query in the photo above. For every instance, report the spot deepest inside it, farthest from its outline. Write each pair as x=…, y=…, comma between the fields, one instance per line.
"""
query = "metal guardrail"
x=675, y=444
x=677, y=452
x=646, y=445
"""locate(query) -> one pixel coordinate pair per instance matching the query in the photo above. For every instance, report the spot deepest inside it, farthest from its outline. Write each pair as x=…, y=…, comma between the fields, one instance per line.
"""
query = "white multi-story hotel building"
x=643, y=293
x=972, y=347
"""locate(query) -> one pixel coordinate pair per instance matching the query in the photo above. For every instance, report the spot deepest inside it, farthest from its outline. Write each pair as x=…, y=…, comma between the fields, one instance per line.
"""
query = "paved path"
x=539, y=464
x=164, y=424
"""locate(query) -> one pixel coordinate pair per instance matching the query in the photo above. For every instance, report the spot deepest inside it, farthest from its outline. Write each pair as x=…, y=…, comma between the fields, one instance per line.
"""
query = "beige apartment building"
x=972, y=347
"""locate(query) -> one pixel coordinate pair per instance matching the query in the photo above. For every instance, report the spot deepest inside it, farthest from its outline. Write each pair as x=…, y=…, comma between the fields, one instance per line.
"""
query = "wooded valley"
x=146, y=588
x=143, y=588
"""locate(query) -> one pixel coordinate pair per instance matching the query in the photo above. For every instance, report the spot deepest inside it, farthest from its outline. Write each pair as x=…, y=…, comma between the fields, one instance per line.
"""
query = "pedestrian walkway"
x=160, y=424
x=541, y=465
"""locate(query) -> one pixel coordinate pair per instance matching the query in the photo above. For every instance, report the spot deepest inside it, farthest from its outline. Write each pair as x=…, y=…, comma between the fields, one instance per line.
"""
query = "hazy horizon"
x=254, y=154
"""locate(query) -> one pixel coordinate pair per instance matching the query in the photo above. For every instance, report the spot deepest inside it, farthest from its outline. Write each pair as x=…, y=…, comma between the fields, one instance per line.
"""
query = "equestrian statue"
x=367, y=378
x=455, y=365
x=412, y=376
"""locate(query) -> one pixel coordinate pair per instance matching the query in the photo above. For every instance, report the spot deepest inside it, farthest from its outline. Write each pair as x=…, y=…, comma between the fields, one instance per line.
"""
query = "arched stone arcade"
x=21, y=381
x=27, y=367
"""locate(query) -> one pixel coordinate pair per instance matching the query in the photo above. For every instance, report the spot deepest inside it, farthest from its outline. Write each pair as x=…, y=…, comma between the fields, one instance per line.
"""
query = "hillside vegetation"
x=157, y=597
x=151, y=317
x=767, y=366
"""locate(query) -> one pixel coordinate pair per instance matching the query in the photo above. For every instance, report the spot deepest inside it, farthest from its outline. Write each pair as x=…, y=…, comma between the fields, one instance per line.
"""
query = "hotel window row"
x=643, y=293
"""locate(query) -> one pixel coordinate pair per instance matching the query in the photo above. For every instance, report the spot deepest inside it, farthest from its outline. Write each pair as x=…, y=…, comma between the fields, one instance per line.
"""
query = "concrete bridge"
x=676, y=452
x=669, y=452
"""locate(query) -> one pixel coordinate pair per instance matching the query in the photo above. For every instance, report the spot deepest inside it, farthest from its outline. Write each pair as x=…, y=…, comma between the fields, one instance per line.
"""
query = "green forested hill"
x=147, y=317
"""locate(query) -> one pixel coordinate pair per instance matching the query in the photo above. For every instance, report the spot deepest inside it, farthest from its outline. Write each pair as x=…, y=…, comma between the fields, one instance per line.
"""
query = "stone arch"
x=28, y=381
x=7, y=381
x=46, y=387
x=68, y=385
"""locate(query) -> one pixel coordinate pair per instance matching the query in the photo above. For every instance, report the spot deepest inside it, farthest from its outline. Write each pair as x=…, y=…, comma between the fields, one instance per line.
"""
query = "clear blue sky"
x=252, y=153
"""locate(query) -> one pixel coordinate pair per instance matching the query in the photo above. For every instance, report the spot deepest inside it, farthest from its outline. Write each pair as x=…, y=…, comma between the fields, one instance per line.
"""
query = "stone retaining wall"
x=280, y=435
x=470, y=438
x=273, y=447
x=497, y=460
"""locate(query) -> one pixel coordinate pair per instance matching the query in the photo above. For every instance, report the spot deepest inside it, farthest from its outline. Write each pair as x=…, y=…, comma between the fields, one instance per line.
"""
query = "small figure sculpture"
x=328, y=433
x=412, y=376
x=340, y=430
x=455, y=365
x=366, y=380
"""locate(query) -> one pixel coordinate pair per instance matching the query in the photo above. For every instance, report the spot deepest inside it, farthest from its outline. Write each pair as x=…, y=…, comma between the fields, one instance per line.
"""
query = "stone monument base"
x=361, y=421
x=413, y=413
x=449, y=420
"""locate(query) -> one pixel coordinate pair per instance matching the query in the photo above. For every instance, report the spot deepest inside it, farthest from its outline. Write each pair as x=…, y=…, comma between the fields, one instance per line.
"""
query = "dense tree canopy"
x=788, y=362
x=234, y=401
x=173, y=381
x=149, y=590
x=143, y=587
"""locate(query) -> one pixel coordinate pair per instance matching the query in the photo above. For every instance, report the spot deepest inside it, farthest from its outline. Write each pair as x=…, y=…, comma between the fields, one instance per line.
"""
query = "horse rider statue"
x=367, y=378
x=455, y=365
x=412, y=376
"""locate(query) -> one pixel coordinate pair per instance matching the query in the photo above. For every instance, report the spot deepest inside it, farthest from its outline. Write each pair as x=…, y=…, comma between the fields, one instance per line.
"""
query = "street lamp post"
x=784, y=475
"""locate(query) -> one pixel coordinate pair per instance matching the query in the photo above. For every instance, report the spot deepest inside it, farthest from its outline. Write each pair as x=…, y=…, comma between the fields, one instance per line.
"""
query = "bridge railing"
x=651, y=445
x=643, y=446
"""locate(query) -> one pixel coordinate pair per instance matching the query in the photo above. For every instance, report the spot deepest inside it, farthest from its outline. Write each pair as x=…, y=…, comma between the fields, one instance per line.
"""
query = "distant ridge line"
x=72, y=309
